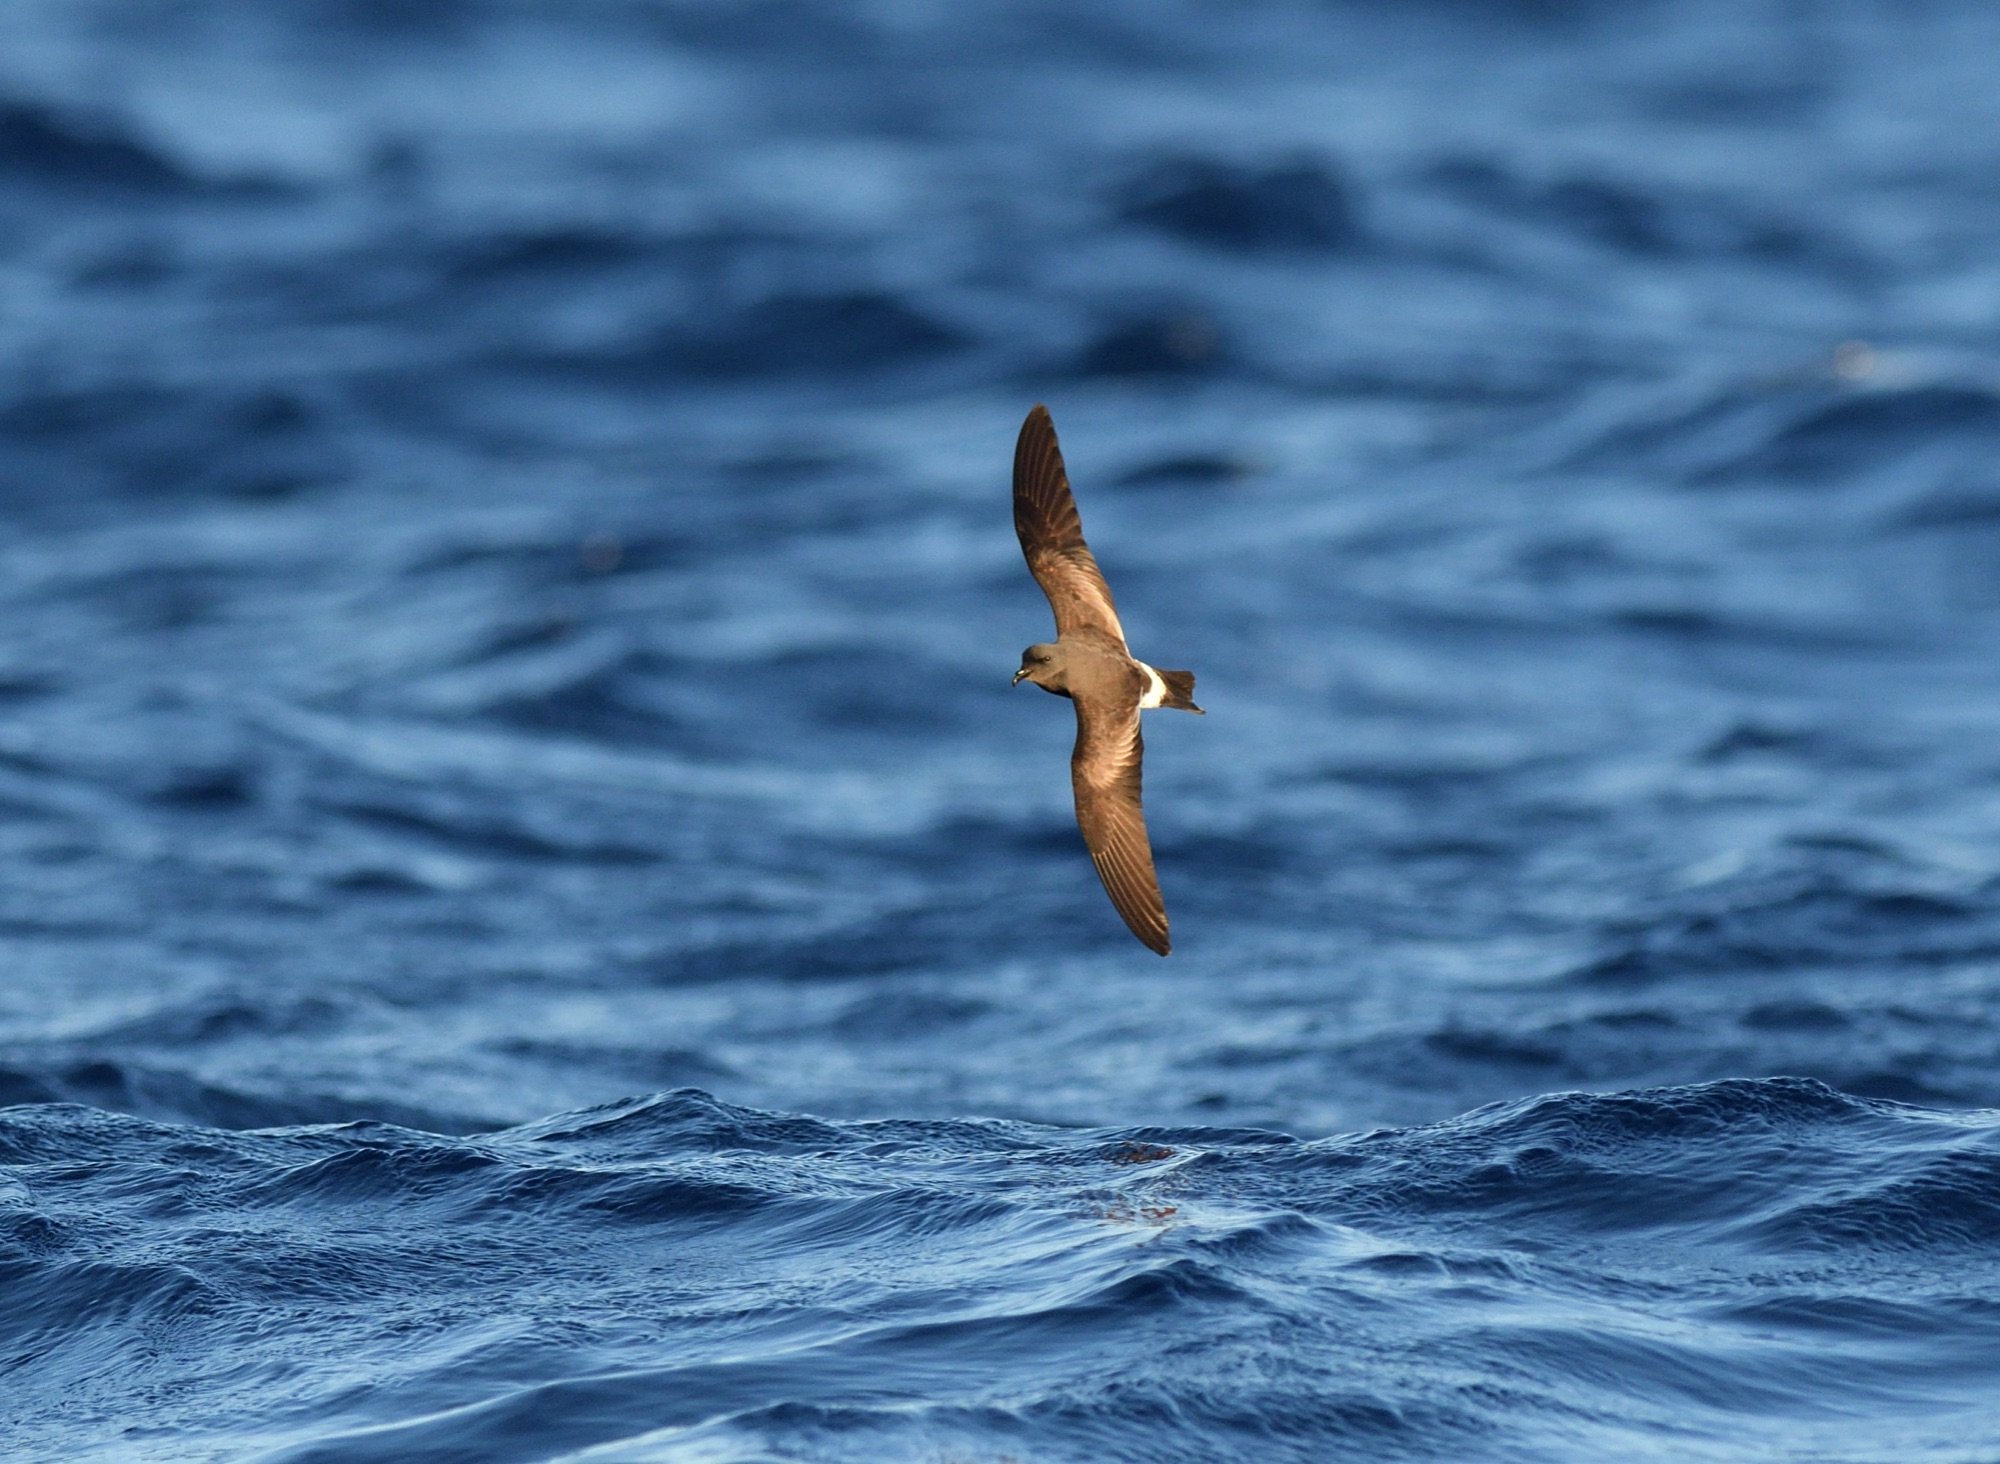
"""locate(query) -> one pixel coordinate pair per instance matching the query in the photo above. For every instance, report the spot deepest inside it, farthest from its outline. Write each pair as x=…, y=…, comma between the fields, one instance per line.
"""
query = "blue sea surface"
x=532, y=926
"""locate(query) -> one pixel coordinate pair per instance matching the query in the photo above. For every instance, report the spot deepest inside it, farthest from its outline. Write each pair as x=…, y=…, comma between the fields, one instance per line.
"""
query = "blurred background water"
x=507, y=593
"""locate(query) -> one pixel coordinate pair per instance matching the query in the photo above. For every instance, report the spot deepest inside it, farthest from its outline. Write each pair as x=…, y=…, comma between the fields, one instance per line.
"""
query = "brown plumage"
x=1089, y=663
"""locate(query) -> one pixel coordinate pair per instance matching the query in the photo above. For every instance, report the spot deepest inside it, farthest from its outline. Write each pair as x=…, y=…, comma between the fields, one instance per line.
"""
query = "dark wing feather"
x=1051, y=534
x=1105, y=770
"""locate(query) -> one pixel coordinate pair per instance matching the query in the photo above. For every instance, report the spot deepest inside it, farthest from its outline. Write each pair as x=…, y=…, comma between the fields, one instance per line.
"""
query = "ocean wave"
x=44, y=144
x=1811, y=436
x=1726, y=1252
x=1300, y=204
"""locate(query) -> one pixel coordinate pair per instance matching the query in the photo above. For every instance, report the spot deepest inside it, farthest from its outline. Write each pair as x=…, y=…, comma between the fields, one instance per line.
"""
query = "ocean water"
x=533, y=927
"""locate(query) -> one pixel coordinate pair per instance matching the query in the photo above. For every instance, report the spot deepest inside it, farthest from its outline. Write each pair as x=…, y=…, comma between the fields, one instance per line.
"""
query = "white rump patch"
x=1156, y=694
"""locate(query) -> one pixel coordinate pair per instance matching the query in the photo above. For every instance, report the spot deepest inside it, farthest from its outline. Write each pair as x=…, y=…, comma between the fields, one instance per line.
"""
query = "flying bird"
x=1088, y=662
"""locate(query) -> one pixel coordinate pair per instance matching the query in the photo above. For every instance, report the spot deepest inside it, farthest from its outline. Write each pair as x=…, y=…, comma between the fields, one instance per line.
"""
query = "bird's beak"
x=1017, y=676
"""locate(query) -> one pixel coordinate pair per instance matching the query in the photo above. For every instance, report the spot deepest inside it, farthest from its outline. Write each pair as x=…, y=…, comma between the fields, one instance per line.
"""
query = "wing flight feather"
x=1051, y=534
x=1105, y=770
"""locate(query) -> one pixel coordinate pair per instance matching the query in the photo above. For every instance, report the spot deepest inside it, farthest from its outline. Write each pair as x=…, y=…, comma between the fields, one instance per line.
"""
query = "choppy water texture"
x=506, y=603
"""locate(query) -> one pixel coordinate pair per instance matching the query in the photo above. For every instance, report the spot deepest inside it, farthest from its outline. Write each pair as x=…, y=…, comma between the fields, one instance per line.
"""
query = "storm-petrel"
x=1089, y=664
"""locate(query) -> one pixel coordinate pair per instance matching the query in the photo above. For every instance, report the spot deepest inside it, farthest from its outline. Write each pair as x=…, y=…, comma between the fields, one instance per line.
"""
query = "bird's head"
x=1038, y=664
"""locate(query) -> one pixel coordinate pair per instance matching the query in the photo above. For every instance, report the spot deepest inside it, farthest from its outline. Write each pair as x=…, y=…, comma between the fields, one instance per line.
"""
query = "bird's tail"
x=1180, y=691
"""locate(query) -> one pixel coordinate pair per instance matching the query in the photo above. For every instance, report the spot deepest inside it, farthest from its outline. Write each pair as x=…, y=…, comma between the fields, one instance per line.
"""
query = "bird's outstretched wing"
x=1051, y=534
x=1105, y=770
